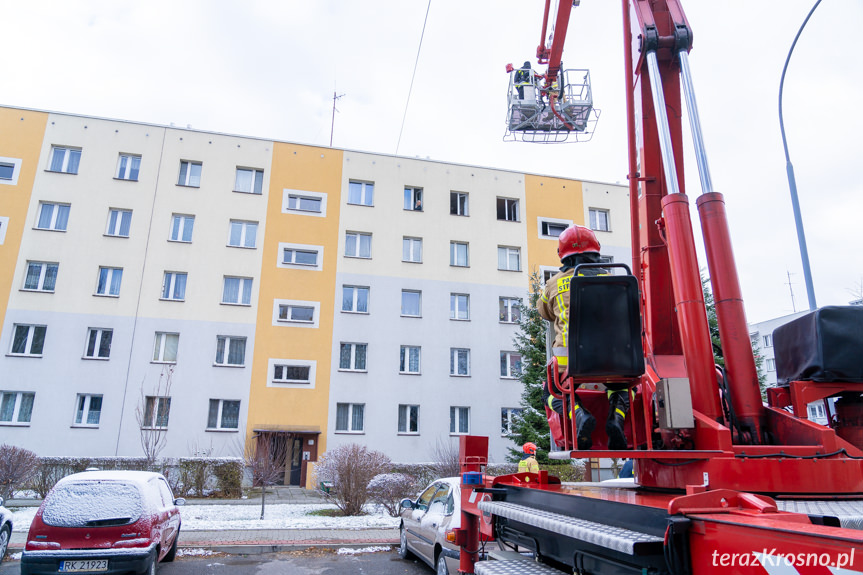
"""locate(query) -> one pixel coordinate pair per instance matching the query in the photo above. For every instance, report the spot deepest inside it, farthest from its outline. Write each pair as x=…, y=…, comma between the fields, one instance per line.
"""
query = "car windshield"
x=92, y=504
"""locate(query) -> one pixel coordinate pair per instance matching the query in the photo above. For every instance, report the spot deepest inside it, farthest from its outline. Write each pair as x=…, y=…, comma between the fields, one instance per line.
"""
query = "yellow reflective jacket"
x=553, y=305
x=528, y=465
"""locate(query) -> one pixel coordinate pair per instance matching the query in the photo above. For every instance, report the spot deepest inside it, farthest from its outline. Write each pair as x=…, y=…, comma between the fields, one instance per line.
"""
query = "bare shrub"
x=445, y=459
x=265, y=458
x=17, y=467
x=152, y=414
x=388, y=489
x=349, y=469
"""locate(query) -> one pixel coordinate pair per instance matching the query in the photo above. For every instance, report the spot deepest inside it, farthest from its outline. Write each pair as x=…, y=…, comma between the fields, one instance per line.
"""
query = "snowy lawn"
x=278, y=516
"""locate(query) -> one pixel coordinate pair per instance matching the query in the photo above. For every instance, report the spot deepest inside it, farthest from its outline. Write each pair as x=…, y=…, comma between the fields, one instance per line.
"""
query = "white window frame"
x=253, y=183
x=289, y=308
x=454, y=353
x=510, y=205
x=220, y=413
x=316, y=313
x=453, y=254
x=294, y=253
x=412, y=250
x=272, y=363
x=100, y=333
x=455, y=309
x=15, y=419
x=118, y=215
x=43, y=274
x=186, y=220
x=159, y=345
x=596, y=223
x=541, y=222
x=109, y=281
x=280, y=259
x=458, y=204
x=28, y=341
x=297, y=200
x=152, y=405
x=351, y=419
x=126, y=172
x=353, y=358
x=358, y=236
x=455, y=419
x=67, y=155
x=509, y=303
x=367, y=193
x=413, y=195
x=405, y=352
x=286, y=202
x=86, y=410
x=244, y=225
x=52, y=225
x=771, y=364
x=507, y=414
x=15, y=164
x=404, y=417
x=245, y=288
x=509, y=251
x=187, y=179
x=226, y=350
x=355, y=299
x=768, y=340
x=169, y=284
x=419, y=295
x=509, y=364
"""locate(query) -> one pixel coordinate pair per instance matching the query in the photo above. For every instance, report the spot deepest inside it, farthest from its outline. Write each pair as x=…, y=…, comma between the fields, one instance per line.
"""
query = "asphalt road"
x=306, y=562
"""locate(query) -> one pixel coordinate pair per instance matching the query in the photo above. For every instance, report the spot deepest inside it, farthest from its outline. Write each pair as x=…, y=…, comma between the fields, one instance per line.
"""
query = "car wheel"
x=404, y=552
x=173, y=552
x=5, y=534
x=441, y=565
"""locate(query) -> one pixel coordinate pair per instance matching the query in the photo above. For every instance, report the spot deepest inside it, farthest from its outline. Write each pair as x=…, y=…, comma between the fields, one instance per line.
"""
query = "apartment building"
x=202, y=290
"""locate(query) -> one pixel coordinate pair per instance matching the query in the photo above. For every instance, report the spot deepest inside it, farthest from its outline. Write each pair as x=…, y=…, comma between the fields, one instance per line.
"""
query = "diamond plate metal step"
x=849, y=512
x=514, y=567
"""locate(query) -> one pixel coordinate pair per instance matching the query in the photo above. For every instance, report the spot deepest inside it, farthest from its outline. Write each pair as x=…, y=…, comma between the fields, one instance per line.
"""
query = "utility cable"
x=416, y=62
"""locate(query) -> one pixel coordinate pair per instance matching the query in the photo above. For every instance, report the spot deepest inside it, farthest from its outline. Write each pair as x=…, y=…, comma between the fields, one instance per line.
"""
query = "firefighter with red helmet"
x=528, y=464
x=578, y=245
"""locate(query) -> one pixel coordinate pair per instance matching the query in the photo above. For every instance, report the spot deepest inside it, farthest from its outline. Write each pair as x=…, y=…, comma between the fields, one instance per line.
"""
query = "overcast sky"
x=270, y=68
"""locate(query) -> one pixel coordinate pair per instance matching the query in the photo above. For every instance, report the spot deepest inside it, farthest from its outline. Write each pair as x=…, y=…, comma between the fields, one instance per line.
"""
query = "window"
x=358, y=245
x=300, y=203
x=355, y=299
x=507, y=418
x=409, y=359
x=118, y=223
x=28, y=340
x=156, y=412
x=412, y=250
x=507, y=209
x=458, y=203
x=768, y=340
x=249, y=181
x=190, y=174
x=287, y=373
x=361, y=193
x=88, y=410
x=174, y=286
x=771, y=364
x=550, y=229
x=349, y=417
x=7, y=171
x=458, y=254
x=165, y=347
x=109, y=281
x=237, y=291
x=352, y=356
x=411, y=303
x=409, y=419
x=243, y=234
x=296, y=313
x=230, y=351
x=459, y=362
x=98, y=343
x=181, y=227
x=41, y=276
x=598, y=219
x=53, y=216
x=65, y=160
x=16, y=407
x=508, y=259
x=510, y=364
x=414, y=199
x=224, y=414
x=459, y=420
x=459, y=306
x=510, y=310
x=299, y=257
x=816, y=410
x=128, y=167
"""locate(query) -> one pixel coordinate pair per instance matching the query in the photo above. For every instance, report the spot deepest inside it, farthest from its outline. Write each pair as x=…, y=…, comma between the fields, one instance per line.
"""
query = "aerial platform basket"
x=554, y=115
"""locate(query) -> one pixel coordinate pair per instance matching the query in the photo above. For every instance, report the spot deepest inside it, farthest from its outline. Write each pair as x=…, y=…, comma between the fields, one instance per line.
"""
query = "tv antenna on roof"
x=333, y=124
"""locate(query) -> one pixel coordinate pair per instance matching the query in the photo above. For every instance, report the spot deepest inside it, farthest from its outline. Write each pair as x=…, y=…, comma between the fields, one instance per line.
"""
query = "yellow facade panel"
x=553, y=200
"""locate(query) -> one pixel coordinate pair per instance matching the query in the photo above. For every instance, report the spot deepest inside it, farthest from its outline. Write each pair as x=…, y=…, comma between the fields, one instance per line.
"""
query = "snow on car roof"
x=140, y=477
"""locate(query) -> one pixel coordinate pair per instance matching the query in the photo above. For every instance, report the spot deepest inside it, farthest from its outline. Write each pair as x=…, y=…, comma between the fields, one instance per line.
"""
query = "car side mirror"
x=406, y=504
x=179, y=501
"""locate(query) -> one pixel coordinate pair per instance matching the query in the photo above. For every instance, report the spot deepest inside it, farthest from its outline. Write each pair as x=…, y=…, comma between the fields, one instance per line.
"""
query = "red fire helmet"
x=576, y=240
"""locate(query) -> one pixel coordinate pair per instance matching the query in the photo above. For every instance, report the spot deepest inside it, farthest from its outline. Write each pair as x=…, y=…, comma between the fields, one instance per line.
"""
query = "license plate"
x=84, y=565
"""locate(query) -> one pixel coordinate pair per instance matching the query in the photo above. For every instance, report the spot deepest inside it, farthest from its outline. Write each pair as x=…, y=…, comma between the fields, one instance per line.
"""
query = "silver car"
x=426, y=521
x=5, y=529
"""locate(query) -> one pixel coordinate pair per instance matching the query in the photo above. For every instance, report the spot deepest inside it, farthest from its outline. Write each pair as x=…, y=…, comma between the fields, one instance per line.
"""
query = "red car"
x=104, y=522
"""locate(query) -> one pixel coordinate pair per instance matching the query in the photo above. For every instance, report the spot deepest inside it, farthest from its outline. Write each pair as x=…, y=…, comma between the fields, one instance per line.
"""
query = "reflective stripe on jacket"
x=528, y=465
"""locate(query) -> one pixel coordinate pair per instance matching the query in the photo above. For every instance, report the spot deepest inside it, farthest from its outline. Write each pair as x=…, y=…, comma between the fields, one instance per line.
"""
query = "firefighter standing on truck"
x=578, y=245
x=528, y=464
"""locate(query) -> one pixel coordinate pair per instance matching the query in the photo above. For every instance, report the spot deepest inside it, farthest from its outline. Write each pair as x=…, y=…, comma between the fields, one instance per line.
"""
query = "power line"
x=412, y=77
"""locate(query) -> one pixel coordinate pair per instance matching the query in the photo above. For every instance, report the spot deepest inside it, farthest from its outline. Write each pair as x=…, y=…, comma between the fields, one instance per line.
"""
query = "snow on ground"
x=351, y=551
x=277, y=516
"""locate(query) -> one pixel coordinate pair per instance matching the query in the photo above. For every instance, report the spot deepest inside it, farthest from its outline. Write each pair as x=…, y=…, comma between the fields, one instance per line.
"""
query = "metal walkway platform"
x=848, y=512
x=516, y=567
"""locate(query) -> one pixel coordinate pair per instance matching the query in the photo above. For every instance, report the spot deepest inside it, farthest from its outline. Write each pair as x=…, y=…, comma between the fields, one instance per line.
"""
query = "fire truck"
x=725, y=482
